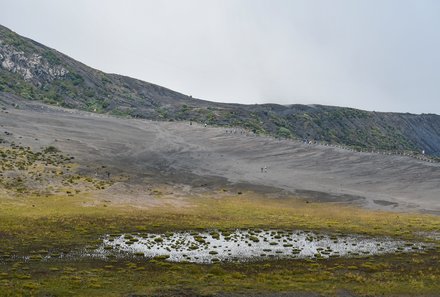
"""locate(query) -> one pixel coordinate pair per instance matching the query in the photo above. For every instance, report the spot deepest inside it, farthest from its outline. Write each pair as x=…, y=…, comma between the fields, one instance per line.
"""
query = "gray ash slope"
x=33, y=71
x=191, y=155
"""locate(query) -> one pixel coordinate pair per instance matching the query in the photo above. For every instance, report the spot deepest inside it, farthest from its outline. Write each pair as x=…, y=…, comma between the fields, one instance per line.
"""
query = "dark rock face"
x=35, y=72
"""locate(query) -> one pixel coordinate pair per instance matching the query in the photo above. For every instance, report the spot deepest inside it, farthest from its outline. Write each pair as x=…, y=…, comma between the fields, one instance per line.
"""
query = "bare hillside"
x=200, y=156
x=33, y=71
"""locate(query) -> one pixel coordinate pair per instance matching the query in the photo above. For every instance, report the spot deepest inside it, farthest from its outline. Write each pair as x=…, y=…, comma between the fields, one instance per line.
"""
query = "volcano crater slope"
x=204, y=157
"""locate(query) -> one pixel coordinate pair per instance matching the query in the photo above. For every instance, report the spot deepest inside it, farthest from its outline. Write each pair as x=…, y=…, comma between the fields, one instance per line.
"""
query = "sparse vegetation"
x=42, y=173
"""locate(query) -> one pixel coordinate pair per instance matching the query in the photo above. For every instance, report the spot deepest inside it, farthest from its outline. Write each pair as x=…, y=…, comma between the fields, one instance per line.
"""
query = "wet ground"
x=248, y=245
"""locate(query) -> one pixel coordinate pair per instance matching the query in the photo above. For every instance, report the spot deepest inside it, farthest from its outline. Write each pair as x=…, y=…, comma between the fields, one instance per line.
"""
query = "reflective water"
x=248, y=245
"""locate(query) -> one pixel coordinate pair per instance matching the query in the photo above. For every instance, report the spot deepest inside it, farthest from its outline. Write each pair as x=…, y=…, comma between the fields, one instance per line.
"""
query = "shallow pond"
x=248, y=245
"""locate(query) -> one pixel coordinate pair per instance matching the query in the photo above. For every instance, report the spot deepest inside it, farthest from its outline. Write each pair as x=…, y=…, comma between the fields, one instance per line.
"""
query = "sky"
x=381, y=55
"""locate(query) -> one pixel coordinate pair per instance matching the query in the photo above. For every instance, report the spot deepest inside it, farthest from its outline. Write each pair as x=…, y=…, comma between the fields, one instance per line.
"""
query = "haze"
x=373, y=55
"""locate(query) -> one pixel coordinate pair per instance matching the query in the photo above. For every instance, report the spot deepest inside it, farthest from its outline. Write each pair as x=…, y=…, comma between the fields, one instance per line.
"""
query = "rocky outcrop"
x=32, y=67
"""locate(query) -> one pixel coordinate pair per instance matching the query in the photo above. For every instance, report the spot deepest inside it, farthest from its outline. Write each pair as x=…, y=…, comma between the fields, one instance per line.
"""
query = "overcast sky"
x=376, y=55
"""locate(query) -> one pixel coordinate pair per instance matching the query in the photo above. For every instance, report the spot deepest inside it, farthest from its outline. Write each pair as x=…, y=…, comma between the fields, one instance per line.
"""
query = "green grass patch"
x=38, y=226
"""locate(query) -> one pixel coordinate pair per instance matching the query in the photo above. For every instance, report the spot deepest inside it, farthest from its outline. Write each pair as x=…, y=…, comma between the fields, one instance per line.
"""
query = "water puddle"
x=248, y=245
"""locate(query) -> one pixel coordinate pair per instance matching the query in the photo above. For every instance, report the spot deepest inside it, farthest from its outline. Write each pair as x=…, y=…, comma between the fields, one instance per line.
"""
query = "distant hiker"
x=206, y=125
x=262, y=169
x=265, y=169
x=190, y=123
x=423, y=152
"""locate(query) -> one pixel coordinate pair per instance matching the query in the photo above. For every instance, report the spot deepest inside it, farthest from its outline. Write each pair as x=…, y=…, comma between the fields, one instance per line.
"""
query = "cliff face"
x=35, y=72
